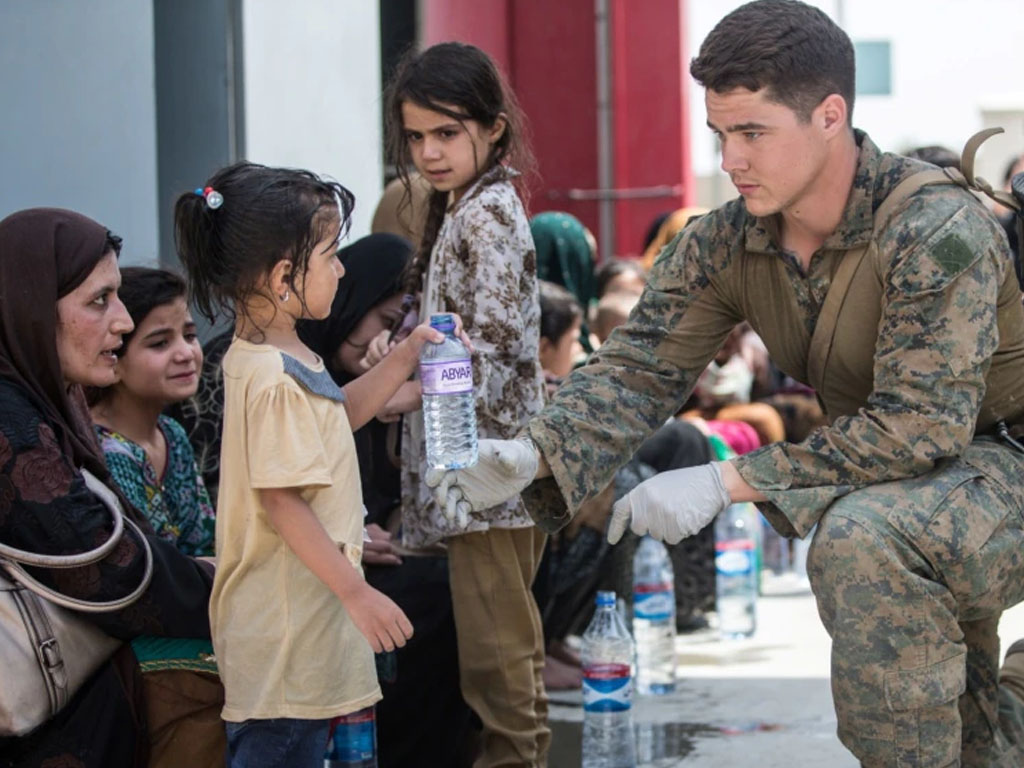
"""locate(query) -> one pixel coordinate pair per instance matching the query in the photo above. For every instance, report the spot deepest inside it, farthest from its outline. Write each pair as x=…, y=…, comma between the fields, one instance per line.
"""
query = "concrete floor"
x=764, y=701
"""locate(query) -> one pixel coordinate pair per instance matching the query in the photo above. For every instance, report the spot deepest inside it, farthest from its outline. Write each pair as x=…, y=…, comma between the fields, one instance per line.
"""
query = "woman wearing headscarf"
x=670, y=227
x=60, y=320
x=422, y=720
x=565, y=257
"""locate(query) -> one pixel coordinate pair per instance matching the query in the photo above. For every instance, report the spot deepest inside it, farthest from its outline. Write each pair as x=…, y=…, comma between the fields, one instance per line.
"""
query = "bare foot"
x=564, y=653
x=559, y=676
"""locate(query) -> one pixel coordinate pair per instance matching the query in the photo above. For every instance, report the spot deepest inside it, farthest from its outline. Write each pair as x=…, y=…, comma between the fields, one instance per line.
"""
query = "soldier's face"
x=773, y=158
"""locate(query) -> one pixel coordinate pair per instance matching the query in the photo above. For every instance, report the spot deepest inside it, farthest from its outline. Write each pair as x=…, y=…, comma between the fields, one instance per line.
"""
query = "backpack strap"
x=979, y=184
x=825, y=327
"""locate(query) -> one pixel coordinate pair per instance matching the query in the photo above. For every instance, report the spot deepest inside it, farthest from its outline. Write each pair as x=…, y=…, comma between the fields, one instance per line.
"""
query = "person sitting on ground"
x=150, y=458
x=612, y=311
x=60, y=322
x=722, y=395
x=671, y=227
x=621, y=276
x=560, y=320
x=147, y=452
x=566, y=253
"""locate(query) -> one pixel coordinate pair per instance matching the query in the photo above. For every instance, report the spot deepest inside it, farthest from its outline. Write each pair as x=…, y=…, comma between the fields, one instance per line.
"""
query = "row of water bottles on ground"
x=610, y=654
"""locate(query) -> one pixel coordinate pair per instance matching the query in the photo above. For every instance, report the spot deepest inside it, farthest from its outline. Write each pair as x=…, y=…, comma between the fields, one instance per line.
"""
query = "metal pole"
x=605, y=156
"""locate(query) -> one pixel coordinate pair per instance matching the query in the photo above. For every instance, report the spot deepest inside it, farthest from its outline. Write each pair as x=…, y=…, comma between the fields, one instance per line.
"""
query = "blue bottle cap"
x=442, y=322
x=605, y=598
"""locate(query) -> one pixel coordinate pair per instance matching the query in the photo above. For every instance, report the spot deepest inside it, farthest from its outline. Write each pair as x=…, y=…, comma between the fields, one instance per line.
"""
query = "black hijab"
x=373, y=272
x=45, y=253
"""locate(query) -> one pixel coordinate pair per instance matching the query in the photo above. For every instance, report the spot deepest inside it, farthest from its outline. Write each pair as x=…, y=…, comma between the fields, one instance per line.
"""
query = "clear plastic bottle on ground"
x=449, y=408
x=354, y=742
x=607, y=653
x=735, y=570
x=654, y=618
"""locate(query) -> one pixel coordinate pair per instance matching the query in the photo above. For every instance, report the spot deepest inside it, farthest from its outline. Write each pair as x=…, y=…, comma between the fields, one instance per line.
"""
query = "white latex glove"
x=503, y=469
x=671, y=505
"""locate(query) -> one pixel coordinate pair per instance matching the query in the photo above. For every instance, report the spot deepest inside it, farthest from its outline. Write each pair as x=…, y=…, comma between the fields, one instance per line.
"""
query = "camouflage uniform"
x=919, y=541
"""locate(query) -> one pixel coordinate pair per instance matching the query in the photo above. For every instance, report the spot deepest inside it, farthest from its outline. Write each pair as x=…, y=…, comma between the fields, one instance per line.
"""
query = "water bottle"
x=354, y=743
x=449, y=408
x=607, y=653
x=735, y=571
x=654, y=618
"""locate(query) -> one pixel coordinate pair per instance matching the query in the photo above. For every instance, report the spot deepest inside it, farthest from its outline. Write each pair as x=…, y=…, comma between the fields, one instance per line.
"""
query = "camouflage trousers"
x=911, y=578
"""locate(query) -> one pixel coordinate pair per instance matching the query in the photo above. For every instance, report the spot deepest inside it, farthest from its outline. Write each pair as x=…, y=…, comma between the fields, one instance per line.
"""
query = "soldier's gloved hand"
x=671, y=505
x=505, y=468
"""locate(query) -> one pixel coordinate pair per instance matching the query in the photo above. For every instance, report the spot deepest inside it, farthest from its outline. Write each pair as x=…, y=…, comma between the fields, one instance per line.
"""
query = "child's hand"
x=377, y=350
x=423, y=333
x=381, y=621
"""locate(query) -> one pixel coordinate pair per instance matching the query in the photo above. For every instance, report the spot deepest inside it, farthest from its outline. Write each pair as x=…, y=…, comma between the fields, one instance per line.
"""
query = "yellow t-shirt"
x=285, y=645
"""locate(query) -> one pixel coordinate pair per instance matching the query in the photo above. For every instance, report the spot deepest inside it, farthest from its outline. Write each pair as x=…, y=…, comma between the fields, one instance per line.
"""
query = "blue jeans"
x=280, y=742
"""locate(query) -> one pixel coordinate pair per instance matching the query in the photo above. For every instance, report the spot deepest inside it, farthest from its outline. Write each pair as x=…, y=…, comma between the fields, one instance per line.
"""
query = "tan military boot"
x=1011, y=676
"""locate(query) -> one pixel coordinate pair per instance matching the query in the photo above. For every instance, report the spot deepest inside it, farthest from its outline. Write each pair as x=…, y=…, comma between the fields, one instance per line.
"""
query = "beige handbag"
x=47, y=648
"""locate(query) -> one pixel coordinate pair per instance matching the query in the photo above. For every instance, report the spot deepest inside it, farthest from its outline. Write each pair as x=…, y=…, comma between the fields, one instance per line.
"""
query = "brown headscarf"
x=45, y=253
x=671, y=227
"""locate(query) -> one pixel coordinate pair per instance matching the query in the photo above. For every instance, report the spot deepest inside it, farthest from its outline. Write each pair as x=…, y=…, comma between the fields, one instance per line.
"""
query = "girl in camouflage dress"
x=454, y=120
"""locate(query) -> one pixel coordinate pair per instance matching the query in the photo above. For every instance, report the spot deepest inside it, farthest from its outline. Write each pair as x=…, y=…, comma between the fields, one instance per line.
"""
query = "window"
x=874, y=68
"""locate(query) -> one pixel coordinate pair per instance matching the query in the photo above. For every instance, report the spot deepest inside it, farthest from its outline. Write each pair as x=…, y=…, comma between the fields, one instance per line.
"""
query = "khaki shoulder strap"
x=825, y=327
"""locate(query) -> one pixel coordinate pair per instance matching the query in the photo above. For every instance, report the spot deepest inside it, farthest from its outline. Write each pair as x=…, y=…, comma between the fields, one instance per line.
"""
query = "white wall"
x=951, y=60
x=313, y=92
x=78, y=114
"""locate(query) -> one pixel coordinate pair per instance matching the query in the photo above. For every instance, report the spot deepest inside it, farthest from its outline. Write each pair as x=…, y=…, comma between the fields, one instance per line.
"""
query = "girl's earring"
x=285, y=296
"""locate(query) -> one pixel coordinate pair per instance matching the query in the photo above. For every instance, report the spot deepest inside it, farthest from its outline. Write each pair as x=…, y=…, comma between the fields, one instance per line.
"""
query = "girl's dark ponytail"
x=195, y=239
x=412, y=280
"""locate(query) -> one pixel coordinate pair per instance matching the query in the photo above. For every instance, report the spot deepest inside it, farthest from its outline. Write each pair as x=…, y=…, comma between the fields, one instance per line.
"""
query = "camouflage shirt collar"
x=762, y=234
x=490, y=176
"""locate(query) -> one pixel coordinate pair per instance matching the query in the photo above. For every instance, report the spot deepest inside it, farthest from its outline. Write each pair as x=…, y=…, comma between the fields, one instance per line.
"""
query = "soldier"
x=898, y=304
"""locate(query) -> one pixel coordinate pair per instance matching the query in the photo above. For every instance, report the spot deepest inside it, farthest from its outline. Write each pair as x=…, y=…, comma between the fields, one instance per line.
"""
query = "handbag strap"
x=113, y=505
x=12, y=559
x=18, y=574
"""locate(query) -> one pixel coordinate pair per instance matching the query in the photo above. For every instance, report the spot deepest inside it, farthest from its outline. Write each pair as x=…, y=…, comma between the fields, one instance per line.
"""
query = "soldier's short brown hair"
x=790, y=48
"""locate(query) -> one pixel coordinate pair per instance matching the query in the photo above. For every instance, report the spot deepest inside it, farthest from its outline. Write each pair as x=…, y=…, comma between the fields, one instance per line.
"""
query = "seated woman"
x=423, y=719
x=60, y=322
x=148, y=453
x=151, y=460
x=566, y=253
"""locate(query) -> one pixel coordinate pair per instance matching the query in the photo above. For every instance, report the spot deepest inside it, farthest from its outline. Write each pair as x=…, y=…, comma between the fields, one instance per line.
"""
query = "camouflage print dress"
x=483, y=267
x=918, y=507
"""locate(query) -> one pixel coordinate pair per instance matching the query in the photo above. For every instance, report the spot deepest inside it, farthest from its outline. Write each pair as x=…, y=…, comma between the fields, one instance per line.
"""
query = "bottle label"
x=607, y=688
x=448, y=377
x=354, y=737
x=735, y=557
x=653, y=602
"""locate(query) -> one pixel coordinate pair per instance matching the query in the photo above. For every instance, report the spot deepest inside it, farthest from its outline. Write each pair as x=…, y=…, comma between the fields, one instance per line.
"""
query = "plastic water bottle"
x=654, y=618
x=735, y=571
x=449, y=408
x=607, y=652
x=354, y=743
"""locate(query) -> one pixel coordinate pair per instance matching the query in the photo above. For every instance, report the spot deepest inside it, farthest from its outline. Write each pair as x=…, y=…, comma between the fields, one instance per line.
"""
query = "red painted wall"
x=651, y=144
x=548, y=52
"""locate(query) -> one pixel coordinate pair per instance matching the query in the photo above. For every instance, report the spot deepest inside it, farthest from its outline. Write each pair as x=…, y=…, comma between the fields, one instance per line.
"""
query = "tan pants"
x=501, y=642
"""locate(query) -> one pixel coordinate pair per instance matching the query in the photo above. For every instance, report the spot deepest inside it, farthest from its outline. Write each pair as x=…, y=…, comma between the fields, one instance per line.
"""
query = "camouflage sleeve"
x=640, y=377
x=941, y=271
